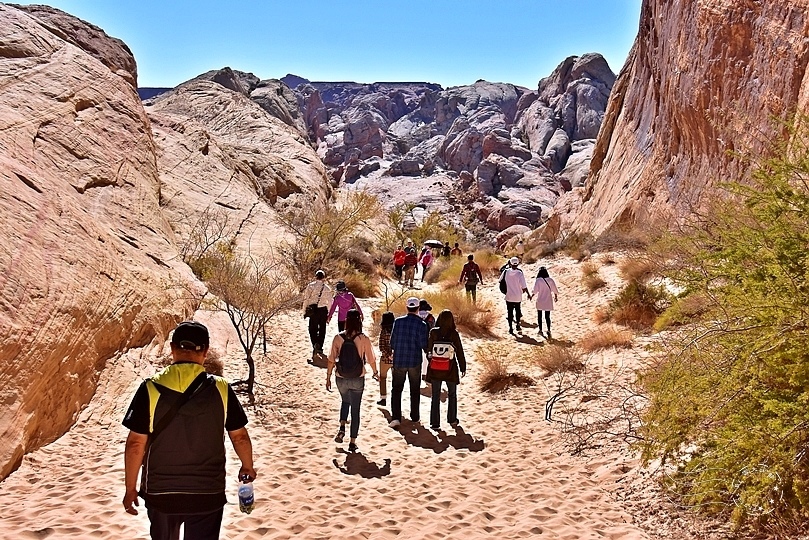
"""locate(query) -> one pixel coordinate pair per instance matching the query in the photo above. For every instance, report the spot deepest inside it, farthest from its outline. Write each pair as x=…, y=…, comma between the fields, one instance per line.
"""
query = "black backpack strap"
x=166, y=419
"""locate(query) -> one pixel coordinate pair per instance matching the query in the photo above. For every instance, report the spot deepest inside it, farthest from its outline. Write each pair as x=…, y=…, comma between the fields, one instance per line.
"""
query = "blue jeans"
x=351, y=392
x=452, y=403
x=414, y=375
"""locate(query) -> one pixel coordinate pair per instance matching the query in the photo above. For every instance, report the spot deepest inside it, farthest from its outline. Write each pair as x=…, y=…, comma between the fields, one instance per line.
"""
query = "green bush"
x=729, y=406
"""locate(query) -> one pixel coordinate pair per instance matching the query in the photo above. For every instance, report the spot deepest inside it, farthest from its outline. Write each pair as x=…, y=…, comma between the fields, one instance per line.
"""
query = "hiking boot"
x=352, y=447
x=382, y=402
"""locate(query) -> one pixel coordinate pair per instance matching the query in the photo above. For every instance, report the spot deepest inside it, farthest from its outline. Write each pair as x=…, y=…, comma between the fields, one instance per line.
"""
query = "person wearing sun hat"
x=408, y=341
x=183, y=455
x=515, y=286
x=343, y=301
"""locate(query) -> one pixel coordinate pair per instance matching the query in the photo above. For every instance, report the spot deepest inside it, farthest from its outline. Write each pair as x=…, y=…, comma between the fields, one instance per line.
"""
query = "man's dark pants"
x=511, y=308
x=414, y=376
x=197, y=526
x=317, y=328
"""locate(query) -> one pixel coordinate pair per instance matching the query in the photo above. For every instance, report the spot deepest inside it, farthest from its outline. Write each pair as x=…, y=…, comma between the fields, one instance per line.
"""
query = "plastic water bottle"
x=246, y=498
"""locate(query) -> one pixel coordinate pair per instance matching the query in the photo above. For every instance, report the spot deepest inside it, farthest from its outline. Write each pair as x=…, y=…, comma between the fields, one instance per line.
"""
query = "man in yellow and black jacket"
x=177, y=421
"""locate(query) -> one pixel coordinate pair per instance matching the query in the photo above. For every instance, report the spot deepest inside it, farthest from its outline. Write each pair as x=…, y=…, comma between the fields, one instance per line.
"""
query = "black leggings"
x=547, y=319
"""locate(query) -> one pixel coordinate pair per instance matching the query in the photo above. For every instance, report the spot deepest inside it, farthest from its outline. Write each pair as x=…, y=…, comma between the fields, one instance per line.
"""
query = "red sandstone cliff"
x=703, y=79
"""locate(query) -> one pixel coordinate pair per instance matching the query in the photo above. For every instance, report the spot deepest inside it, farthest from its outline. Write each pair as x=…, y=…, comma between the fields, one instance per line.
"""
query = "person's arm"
x=459, y=354
x=370, y=357
x=134, y=451
x=333, y=354
x=244, y=449
x=463, y=273
x=332, y=308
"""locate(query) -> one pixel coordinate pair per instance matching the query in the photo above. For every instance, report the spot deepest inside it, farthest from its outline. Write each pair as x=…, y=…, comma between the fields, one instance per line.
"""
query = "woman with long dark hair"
x=546, y=294
x=447, y=364
x=350, y=351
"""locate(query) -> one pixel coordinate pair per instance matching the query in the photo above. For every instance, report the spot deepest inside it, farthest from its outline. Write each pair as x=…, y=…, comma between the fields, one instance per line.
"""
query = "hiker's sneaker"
x=435, y=427
x=395, y=424
x=510, y=331
x=382, y=402
x=519, y=329
x=352, y=447
x=549, y=335
x=455, y=424
x=340, y=434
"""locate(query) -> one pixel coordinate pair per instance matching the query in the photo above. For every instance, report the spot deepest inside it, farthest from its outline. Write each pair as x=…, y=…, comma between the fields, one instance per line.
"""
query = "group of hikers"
x=182, y=478
x=406, y=260
x=416, y=347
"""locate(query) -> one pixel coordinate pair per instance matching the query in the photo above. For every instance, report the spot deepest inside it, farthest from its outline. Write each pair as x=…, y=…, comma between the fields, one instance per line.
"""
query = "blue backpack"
x=349, y=362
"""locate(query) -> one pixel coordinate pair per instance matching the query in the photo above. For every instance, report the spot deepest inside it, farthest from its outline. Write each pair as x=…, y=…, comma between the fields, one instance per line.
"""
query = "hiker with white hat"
x=514, y=284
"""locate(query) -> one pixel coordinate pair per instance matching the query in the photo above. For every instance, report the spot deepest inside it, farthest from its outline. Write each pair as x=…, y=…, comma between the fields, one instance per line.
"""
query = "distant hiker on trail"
x=177, y=421
x=350, y=351
x=343, y=301
x=425, y=261
x=471, y=276
x=446, y=361
x=456, y=251
x=411, y=261
x=546, y=293
x=515, y=286
x=386, y=355
x=399, y=262
x=316, y=299
x=408, y=340
x=446, y=250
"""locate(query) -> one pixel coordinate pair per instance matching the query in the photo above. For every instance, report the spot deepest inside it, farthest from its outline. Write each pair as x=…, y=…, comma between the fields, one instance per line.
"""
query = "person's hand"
x=376, y=375
x=328, y=383
x=130, y=501
x=463, y=374
x=247, y=474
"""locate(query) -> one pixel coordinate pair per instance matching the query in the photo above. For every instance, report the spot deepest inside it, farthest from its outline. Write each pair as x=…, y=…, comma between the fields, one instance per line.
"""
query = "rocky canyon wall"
x=86, y=256
x=703, y=81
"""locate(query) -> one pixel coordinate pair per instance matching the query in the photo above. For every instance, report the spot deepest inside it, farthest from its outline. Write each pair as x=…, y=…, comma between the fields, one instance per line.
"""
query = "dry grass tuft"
x=605, y=338
x=591, y=279
x=495, y=376
x=637, y=268
x=558, y=359
x=474, y=320
x=214, y=363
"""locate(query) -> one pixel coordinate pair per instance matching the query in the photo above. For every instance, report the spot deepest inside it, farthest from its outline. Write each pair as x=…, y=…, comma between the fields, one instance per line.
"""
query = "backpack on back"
x=442, y=354
x=472, y=275
x=503, y=284
x=349, y=362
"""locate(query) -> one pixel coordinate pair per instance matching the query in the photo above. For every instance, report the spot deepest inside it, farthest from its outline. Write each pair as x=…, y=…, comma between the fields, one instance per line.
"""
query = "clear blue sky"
x=450, y=42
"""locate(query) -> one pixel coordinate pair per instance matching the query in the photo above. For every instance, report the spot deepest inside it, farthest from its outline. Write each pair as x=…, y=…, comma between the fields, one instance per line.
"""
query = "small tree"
x=251, y=291
x=734, y=388
x=322, y=233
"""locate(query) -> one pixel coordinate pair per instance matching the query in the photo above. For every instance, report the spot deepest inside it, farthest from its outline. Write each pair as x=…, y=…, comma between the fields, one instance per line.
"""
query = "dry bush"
x=494, y=373
x=558, y=359
x=685, y=310
x=591, y=279
x=637, y=268
x=605, y=338
x=475, y=320
x=639, y=304
x=601, y=315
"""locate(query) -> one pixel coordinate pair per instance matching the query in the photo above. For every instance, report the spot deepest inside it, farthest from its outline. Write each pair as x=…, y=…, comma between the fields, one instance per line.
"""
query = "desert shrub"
x=475, y=320
x=591, y=279
x=638, y=268
x=638, y=304
x=735, y=387
x=404, y=223
x=684, y=310
x=495, y=375
x=214, y=363
x=559, y=359
x=322, y=234
x=606, y=337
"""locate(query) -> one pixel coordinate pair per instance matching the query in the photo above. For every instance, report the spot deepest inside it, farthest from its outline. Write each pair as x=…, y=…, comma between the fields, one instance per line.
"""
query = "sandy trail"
x=503, y=474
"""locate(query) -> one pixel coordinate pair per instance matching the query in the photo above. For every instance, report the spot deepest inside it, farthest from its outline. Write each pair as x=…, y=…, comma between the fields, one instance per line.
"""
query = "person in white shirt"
x=515, y=286
x=546, y=293
x=318, y=295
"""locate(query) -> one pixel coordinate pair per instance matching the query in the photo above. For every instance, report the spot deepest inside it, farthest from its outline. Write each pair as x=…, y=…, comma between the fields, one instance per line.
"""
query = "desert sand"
x=505, y=473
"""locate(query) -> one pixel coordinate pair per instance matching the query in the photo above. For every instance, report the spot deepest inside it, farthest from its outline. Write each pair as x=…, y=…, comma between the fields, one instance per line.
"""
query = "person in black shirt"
x=176, y=423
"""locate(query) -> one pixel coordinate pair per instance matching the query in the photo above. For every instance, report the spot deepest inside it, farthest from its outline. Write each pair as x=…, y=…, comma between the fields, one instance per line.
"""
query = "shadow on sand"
x=415, y=434
x=357, y=464
x=319, y=360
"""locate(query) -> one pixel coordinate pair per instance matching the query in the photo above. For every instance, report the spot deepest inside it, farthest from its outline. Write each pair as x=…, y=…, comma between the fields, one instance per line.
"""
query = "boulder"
x=499, y=142
x=87, y=253
x=558, y=150
x=511, y=232
x=277, y=99
x=504, y=216
x=405, y=167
